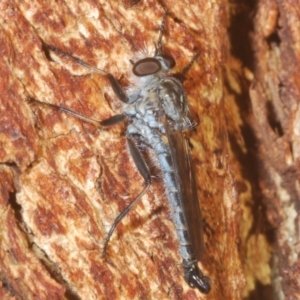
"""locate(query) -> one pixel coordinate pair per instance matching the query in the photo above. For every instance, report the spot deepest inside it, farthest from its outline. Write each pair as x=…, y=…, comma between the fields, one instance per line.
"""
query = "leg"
x=144, y=171
x=187, y=68
x=108, y=122
x=114, y=83
x=159, y=50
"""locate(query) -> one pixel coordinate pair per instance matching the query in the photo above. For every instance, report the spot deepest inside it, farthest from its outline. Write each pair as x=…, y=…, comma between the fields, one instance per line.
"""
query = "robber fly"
x=158, y=115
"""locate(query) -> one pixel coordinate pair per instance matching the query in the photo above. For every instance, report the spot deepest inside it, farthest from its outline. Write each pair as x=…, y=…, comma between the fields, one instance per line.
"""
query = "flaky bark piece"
x=22, y=275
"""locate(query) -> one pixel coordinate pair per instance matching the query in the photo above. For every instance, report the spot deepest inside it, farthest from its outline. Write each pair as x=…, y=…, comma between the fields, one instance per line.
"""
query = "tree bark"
x=64, y=181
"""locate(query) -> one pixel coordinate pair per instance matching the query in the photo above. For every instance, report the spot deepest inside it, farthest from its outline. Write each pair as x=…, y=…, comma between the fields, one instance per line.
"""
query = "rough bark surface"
x=64, y=181
x=267, y=44
x=275, y=97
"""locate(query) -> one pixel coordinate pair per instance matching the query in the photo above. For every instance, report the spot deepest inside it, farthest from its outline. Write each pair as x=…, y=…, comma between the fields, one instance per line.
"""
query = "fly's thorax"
x=145, y=106
x=173, y=100
x=141, y=87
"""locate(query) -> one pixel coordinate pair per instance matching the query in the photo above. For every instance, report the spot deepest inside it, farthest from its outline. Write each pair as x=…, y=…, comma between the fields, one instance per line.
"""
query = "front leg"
x=113, y=82
x=105, y=123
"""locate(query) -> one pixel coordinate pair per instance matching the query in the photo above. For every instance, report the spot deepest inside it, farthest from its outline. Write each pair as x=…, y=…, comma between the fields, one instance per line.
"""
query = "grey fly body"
x=158, y=117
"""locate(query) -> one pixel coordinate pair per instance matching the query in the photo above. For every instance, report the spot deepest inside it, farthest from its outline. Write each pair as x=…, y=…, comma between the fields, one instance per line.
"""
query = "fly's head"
x=169, y=89
x=167, y=62
x=153, y=65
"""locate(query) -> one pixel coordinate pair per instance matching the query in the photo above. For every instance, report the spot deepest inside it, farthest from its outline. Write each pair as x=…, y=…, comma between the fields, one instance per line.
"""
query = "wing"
x=185, y=179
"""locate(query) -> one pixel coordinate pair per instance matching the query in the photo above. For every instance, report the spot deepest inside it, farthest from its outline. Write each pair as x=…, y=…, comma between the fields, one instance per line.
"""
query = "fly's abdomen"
x=173, y=192
x=176, y=197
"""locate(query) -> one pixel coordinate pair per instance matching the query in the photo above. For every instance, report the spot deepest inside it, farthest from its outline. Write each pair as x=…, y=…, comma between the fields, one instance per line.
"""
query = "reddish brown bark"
x=63, y=181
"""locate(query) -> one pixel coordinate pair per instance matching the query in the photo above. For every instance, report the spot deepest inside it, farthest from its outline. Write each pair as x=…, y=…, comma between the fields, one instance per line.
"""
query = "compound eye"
x=146, y=66
x=169, y=60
